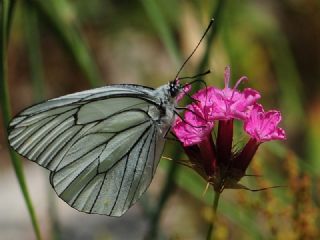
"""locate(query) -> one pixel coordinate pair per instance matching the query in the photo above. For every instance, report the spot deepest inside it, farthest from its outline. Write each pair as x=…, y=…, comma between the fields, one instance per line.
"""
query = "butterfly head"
x=174, y=88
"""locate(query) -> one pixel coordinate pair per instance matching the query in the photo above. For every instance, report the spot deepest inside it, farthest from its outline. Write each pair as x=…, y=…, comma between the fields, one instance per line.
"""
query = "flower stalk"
x=210, y=232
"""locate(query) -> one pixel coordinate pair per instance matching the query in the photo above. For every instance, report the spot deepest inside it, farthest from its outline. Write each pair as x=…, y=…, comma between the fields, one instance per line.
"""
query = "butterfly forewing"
x=102, y=145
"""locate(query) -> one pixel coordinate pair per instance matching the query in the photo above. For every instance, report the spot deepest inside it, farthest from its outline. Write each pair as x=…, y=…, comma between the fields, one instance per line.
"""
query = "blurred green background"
x=56, y=47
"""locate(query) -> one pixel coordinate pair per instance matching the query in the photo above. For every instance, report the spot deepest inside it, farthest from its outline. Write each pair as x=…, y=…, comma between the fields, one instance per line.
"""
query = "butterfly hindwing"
x=115, y=189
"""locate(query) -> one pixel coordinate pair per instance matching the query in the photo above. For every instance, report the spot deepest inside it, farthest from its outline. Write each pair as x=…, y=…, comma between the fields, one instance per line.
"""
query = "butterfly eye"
x=174, y=88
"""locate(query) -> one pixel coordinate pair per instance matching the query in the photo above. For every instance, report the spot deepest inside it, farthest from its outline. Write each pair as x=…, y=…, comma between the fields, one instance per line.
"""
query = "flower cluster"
x=215, y=159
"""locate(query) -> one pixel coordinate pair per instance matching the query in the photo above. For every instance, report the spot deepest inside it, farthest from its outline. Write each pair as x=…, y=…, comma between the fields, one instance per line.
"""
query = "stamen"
x=206, y=189
x=244, y=78
x=227, y=76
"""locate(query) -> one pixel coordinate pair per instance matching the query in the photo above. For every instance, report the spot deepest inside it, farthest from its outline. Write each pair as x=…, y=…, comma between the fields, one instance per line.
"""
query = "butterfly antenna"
x=196, y=76
x=204, y=34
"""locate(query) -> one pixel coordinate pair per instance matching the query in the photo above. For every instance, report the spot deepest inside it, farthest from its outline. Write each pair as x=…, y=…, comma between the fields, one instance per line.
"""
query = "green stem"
x=6, y=112
x=32, y=35
x=214, y=214
x=33, y=43
x=11, y=9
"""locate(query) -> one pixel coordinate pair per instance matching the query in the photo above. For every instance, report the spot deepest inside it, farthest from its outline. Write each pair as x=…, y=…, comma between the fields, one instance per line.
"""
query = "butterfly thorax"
x=168, y=93
x=167, y=97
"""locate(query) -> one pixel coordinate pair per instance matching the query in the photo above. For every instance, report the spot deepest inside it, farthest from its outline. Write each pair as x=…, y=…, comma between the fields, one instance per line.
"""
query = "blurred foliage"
x=6, y=8
x=59, y=46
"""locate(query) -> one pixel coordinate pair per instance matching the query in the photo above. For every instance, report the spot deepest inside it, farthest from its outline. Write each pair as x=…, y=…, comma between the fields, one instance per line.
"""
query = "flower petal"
x=194, y=128
x=263, y=126
x=227, y=103
x=250, y=96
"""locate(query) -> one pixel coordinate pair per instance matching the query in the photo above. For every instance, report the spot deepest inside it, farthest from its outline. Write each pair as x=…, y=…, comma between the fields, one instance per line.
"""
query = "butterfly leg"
x=187, y=121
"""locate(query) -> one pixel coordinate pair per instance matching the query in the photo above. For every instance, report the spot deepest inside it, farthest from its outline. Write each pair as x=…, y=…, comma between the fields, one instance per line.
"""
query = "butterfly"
x=101, y=146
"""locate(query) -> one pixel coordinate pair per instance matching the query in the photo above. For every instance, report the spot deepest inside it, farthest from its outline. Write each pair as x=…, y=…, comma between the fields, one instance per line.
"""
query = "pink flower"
x=194, y=128
x=215, y=159
x=227, y=103
x=263, y=126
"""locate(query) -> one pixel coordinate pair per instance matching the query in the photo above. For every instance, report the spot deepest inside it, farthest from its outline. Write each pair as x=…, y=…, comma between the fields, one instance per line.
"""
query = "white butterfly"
x=102, y=146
